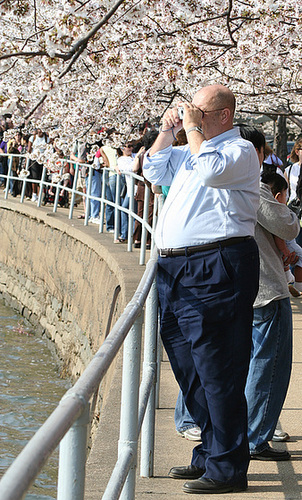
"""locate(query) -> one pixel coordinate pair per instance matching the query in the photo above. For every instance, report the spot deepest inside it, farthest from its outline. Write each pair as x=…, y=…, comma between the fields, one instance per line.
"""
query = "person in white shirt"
x=126, y=163
x=36, y=145
x=208, y=275
x=110, y=179
x=292, y=174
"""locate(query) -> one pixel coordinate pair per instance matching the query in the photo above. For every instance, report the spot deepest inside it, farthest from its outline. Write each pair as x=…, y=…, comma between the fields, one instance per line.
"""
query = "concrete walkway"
x=271, y=481
x=267, y=480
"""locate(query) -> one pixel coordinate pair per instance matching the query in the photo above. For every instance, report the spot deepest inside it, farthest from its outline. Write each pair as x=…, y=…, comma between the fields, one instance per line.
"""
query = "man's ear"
x=225, y=116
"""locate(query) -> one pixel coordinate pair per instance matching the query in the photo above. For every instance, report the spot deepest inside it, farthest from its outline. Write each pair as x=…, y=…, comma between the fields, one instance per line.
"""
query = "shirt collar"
x=225, y=136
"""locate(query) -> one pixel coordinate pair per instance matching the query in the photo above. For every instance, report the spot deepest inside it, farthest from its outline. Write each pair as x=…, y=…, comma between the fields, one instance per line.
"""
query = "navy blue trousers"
x=206, y=302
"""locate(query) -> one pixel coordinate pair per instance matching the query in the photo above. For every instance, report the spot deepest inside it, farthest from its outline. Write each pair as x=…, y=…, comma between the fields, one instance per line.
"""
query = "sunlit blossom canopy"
x=76, y=65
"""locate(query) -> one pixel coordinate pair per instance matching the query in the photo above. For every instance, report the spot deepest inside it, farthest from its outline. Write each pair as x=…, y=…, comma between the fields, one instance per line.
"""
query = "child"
x=279, y=187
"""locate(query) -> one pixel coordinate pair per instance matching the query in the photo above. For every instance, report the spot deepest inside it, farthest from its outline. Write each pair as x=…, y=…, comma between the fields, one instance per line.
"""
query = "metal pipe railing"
x=30, y=461
x=150, y=360
x=129, y=404
x=72, y=460
x=118, y=209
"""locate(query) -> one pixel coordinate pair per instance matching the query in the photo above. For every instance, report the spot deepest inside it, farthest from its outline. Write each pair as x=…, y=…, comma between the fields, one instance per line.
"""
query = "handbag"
x=295, y=206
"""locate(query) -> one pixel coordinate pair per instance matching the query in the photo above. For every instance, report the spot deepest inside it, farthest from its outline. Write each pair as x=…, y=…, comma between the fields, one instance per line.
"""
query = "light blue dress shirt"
x=214, y=194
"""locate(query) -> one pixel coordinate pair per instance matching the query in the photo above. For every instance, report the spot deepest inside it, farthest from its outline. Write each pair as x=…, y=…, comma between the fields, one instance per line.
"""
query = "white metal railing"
x=68, y=424
x=44, y=184
x=71, y=417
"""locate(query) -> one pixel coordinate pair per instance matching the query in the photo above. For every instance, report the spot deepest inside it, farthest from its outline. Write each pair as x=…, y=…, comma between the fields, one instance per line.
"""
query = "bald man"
x=208, y=273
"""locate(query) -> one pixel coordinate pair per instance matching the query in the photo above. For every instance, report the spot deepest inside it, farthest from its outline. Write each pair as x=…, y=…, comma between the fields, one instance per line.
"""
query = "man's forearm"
x=195, y=140
x=163, y=140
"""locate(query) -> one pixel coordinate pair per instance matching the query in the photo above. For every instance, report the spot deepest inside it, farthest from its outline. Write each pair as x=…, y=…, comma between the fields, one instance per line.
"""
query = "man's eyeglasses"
x=128, y=146
x=210, y=111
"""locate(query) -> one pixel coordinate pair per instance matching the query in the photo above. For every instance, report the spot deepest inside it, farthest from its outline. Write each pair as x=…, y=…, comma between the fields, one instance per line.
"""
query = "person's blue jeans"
x=110, y=196
x=3, y=170
x=269, y=371
x=96, y=190
x=124, y=219
x=182, y=418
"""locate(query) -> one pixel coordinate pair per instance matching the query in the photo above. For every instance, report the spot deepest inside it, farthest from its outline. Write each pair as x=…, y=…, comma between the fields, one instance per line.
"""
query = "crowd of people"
x=228, y=239
x=119, y=162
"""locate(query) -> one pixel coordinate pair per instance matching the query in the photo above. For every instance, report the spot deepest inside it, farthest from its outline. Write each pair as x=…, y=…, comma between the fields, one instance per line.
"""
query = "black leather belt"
x=174, y=252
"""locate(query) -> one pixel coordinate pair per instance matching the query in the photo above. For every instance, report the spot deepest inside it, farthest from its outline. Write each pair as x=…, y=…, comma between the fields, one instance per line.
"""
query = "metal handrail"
x=73, y=191
x=74, y=406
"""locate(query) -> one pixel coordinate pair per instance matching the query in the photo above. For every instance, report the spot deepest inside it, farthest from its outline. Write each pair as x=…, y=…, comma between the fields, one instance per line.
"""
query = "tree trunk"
x=280, y=139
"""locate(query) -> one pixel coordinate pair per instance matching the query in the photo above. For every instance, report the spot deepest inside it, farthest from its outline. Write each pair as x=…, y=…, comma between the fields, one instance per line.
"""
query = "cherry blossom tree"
x=70, y=65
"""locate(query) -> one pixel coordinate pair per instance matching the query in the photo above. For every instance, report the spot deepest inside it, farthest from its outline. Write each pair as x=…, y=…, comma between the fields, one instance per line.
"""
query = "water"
x=30, y=389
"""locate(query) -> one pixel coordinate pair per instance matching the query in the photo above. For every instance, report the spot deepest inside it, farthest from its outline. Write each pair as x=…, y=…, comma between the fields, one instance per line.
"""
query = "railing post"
x=74, y=188
x=142, y=257
x=88, y=208
x=103, y=197
x=117, y=212
x=130, y=216
x=150, y=359
x=73, y=449
x=129, y=404
x=57, y=196
x=24, y=181
x=10, y=164
x=41, y=184
x=158, y=365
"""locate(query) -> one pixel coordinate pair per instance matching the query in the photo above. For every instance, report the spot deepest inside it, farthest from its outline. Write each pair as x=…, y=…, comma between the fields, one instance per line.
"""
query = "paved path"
x=267, y=480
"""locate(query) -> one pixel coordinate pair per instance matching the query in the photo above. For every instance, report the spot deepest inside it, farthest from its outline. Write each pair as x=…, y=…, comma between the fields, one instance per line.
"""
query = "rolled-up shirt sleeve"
x=161, y=167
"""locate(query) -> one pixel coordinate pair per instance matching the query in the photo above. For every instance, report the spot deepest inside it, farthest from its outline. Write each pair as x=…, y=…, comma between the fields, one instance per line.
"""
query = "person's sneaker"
x=95, y=220
x=34, y=197
x=280, y=436
x=192, y=434
x=110, y=230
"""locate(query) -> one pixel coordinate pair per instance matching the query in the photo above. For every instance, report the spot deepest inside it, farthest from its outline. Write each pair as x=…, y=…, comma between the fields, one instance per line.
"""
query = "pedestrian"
x=36, y=146
x=271, y=354
x=208, y=278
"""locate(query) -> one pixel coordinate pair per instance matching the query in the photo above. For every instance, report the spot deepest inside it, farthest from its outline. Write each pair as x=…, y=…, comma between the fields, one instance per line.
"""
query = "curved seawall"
x=61, y=276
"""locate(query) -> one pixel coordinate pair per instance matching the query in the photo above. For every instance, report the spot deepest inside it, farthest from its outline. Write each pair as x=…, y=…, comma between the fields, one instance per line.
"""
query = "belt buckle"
x=168, y=252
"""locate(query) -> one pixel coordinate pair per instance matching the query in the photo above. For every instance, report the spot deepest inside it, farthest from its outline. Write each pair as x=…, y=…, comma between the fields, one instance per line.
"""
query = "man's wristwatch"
x=198, y=129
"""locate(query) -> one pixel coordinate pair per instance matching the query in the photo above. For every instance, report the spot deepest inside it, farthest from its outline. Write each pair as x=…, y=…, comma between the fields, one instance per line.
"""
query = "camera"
x=180, y=112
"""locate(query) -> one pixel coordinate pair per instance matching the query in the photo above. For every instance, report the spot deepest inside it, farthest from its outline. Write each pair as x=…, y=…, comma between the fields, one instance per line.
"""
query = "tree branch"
x=77, y=50
x=81, y=44
x=31, y=112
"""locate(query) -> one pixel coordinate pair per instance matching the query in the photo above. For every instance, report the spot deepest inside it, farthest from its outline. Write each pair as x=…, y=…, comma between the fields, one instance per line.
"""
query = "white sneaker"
x=192, y=434
x=280, y=436
x=34, y=197
x=95, y=220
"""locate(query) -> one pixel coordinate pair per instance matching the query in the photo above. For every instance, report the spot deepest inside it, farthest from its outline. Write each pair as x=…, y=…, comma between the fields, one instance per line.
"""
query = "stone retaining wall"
x=62, y=279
